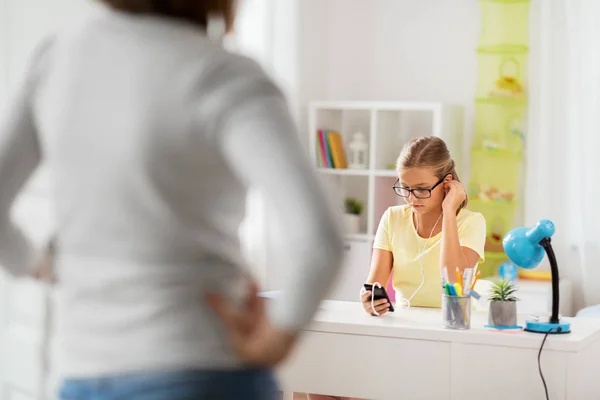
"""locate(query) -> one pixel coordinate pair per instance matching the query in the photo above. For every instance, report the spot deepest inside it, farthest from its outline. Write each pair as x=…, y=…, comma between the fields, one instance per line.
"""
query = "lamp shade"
x=522, y=245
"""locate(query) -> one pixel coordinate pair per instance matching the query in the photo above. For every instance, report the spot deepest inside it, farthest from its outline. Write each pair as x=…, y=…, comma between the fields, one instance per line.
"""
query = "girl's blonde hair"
x=429, y=152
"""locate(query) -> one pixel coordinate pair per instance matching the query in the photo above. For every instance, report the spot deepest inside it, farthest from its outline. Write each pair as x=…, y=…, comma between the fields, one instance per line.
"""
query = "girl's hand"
x=381, y=306
x=455, y=195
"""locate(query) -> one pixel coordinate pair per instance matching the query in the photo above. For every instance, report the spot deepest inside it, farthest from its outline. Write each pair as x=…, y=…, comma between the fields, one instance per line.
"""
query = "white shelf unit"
x=388, y=126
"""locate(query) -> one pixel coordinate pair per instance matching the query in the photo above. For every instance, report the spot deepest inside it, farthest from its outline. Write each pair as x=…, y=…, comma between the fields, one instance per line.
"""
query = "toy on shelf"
x=497, y=230
x=502, y=73
x=499, y=124
x=491, y=194
x=490, y=145
x=515, y=127
x=508, y=84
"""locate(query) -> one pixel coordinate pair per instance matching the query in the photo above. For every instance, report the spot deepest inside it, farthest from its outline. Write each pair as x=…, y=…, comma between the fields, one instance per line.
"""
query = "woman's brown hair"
x=429, y=152
x=197, y=12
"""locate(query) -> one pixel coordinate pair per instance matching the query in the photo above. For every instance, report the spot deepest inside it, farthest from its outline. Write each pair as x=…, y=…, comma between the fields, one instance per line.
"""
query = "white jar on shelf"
x=359, y=150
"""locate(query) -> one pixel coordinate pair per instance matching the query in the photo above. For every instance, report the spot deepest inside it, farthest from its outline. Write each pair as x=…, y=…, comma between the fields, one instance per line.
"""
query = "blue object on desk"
x=508, y=271
x=548, y=327
x=504, y=328
x=526, y=247
x=451, y=290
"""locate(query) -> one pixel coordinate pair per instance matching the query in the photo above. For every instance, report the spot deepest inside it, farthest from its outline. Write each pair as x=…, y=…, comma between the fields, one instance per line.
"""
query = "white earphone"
x=376, y=284
x=404, y=303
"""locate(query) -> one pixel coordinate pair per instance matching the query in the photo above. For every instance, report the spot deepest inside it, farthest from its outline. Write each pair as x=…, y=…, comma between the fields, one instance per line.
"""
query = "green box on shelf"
x=499, y=218
x=502, y=72
x=504, y=22
x=492, y=263
x=494, y=175
x=499, y=124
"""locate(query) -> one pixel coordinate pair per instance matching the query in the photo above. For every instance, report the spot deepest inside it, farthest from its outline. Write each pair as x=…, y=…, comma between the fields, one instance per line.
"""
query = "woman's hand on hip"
x=381, y=306
x=43, y=270
x=253, y=338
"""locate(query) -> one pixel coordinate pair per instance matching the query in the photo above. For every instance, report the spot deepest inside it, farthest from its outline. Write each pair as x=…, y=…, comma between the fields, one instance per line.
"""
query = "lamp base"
x=547, y=327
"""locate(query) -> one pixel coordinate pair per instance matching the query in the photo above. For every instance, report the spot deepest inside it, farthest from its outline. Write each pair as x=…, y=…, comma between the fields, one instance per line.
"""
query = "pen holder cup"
x=456, y=312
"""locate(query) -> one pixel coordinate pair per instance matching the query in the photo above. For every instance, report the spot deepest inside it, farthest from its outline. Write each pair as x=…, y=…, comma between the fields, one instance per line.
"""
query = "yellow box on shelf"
x=504, y=21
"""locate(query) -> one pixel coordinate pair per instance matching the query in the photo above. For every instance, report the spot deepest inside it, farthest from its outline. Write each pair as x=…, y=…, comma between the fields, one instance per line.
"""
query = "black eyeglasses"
x=419, y=193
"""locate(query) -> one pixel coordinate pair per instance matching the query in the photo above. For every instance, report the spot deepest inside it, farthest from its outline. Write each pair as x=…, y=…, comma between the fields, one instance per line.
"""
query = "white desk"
x=407, y=355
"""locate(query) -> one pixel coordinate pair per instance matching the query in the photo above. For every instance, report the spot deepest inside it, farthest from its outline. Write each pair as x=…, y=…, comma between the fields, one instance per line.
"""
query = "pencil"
x=458, y=276
x=475, y=280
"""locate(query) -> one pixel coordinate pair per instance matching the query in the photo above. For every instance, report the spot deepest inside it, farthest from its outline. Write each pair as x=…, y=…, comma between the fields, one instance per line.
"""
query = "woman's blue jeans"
x=249, y=384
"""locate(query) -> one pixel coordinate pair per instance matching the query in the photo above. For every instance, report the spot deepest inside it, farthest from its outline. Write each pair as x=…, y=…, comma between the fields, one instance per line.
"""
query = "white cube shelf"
x=388, y=126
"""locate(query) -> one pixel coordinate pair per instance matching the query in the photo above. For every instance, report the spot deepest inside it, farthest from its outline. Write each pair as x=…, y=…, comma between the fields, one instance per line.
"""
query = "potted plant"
x=352, y=208
x=503, y=303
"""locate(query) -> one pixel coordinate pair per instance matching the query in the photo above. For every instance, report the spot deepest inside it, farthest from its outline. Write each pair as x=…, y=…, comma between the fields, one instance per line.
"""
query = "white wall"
x=374, y=50
x=390, y=50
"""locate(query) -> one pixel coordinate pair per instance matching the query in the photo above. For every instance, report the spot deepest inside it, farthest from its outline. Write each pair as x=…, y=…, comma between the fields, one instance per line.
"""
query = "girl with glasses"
x=431, y=231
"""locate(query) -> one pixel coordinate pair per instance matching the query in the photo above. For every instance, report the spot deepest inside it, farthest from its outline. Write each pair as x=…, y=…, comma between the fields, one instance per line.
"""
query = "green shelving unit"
x=500, y=112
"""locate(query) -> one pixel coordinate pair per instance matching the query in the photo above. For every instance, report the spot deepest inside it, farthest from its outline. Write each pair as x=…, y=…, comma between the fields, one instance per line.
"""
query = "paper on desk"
x=270, y=295
x=482, y=287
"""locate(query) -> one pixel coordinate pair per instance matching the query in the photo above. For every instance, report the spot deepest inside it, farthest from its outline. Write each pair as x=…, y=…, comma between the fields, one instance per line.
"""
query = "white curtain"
x=266, y=30
x=564, y=137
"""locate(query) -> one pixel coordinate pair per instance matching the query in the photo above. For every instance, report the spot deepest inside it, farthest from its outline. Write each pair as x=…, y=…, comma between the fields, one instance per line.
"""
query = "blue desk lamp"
x=526, y=247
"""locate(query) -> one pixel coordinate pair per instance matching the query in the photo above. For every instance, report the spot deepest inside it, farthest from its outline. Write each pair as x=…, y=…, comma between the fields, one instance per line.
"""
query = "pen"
x=458, y=289
x=455, y=305
x=445, y=278
x=449, y=312
x=458, y=276
x=459, y=281
x=448, y=291
x=467, y=280
x=475, y=280
x=451, y=289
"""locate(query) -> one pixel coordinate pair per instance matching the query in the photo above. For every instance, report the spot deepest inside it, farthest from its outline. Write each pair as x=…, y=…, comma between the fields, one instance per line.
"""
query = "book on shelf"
x=330, y=150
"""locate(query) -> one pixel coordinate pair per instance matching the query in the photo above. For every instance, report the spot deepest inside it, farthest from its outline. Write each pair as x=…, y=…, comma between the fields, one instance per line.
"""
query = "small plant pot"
x=503, y=313
x=352, y=223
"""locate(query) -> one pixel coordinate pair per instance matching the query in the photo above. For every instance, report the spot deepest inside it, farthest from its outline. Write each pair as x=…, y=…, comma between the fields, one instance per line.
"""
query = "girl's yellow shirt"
x=396, y=233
